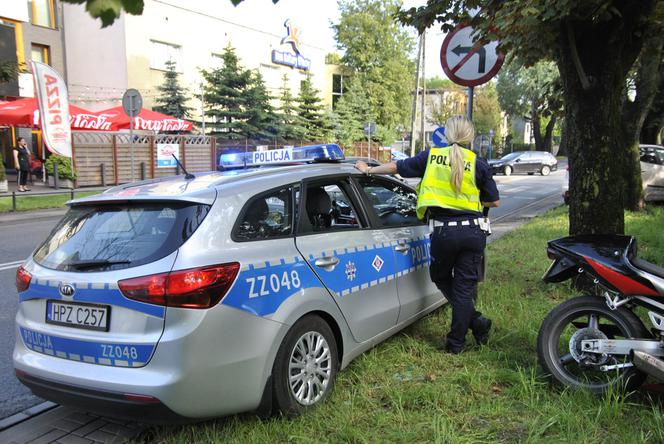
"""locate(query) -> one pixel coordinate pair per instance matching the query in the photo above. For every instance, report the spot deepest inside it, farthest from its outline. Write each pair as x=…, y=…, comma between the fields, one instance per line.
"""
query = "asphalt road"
x=17, y=240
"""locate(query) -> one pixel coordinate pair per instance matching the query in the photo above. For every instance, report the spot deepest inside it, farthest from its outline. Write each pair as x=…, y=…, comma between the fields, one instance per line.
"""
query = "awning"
x=25, y=112
x=146, y=120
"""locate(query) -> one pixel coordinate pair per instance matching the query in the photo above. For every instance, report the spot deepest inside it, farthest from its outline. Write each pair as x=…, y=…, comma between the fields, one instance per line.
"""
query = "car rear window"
x=113, y=237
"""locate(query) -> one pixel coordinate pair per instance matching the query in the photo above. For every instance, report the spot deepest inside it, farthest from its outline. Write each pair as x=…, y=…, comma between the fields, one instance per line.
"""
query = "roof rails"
x=285, y=156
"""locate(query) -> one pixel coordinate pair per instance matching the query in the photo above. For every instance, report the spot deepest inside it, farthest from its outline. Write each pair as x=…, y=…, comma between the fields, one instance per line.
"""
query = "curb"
x=17, y=216
x=26, y=414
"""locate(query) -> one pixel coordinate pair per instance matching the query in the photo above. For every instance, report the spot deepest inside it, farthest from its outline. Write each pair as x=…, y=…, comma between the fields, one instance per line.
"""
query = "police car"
x=199, y=296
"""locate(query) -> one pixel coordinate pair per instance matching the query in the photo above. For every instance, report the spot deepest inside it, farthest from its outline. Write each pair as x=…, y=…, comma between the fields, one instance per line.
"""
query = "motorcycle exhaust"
x=648, y=364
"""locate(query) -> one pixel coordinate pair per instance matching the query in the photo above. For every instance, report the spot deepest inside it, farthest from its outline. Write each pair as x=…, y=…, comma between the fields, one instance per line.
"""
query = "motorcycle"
x=596, y=340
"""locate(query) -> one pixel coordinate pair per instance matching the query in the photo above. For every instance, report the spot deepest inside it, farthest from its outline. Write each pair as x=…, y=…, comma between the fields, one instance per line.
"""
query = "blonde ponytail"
x=458, y=130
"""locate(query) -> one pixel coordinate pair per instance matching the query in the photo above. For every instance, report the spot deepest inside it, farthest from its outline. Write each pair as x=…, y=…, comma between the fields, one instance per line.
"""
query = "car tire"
x=507, y=170
x=546, y=170
x=309, y=350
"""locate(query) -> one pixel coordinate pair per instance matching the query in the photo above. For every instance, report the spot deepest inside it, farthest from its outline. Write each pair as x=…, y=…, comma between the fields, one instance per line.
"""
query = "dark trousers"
x=456, y=255
x=23, y=177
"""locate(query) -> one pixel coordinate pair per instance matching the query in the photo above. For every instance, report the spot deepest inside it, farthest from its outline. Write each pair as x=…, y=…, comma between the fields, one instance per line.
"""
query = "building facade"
x=132, y=53
x=29, y=30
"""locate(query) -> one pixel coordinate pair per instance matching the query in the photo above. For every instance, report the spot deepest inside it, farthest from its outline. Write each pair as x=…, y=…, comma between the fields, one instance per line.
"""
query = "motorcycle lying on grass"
x=596, y=340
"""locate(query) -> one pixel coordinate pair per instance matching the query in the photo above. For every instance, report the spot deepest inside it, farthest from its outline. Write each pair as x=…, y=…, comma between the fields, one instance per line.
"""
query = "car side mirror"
x=518, y=160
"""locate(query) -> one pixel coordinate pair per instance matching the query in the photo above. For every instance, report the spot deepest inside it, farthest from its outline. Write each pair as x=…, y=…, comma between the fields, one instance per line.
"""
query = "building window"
x=337, y=88
x=43, y=13
x=40, y=53
x=162, y=53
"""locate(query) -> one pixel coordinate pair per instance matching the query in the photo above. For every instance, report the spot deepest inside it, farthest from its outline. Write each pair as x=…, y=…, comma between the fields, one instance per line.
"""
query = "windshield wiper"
x=94, y=263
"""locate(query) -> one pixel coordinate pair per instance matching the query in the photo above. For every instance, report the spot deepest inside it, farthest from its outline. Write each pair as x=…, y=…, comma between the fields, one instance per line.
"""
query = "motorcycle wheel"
x=588, y=317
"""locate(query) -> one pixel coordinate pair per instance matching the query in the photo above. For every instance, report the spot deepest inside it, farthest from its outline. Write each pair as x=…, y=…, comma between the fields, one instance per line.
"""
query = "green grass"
x=405, y=390
x=28, y=202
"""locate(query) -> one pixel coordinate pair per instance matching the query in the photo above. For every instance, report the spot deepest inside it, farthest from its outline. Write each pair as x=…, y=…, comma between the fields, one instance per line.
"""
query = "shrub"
x=3, y=175
x=65, y=170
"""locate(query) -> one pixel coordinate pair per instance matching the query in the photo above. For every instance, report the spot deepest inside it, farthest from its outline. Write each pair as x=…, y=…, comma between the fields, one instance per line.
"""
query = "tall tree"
x=311, y=110
x=486, y=114
x=172, y=98
x=651, y=133
x=290, y=121
x=595, y=44
x=226, y=96
x=533, y=94
x=262, y=119
x=378, y=50
x=351, y=114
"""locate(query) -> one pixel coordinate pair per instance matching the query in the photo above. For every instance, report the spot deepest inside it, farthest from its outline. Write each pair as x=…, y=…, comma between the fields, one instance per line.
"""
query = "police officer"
x=455, y=186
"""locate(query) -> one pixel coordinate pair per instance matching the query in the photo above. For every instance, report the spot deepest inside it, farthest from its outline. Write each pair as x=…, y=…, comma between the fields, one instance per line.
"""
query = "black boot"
x=481, y=327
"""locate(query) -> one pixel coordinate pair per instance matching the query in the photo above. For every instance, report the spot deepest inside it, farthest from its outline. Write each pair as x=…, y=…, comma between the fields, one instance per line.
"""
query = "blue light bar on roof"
x=287, y=155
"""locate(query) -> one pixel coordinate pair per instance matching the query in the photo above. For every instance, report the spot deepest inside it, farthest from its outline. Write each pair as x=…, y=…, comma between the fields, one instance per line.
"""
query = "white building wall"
x=96, y=59
x=204, y=28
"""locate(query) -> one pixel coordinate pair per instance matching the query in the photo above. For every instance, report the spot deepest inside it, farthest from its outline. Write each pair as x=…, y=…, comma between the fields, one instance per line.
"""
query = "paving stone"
x=20, y=434
x=105, y=437
x=73, y=439
x=81, y=417
x=49, y=437
x=89, y=428
x=67, y=425
x=12, y=420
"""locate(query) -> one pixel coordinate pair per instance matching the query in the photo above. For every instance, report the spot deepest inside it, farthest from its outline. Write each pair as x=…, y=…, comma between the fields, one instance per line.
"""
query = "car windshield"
x=510, y=156
x=112, y=237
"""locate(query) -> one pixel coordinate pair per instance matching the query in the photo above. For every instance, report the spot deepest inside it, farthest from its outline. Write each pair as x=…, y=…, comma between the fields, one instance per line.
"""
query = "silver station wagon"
x=246, y=289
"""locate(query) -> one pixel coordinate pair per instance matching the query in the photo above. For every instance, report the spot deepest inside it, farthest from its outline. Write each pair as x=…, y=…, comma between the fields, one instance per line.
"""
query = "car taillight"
x=22, y=279
x=551, y=254
x=200, y=287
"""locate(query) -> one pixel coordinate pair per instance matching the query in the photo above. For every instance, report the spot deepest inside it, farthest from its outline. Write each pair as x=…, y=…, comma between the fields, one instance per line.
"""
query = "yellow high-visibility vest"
x=436, y=189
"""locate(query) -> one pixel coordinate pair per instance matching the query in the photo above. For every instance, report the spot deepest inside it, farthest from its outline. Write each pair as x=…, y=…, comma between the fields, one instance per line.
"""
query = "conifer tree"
x=172, y=100
x=226, y=96
x=262, y=122
x=291, y=123
x=311, y=111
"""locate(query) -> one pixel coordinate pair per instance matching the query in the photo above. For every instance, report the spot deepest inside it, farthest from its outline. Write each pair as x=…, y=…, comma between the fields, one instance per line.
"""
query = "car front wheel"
x=507, y=170
x=305, y=367
x=546, y=169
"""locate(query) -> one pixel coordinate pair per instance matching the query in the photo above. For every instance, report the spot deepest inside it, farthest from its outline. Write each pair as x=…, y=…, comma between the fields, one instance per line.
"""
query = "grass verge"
x=405, y=390
x=26, y=202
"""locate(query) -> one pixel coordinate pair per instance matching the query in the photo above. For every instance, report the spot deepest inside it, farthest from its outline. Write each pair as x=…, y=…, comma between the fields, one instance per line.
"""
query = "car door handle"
x=402, y=248
x=327, y=263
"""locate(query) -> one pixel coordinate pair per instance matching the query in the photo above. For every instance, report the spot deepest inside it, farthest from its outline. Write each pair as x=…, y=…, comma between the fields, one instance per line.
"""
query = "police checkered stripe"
x=59, y=347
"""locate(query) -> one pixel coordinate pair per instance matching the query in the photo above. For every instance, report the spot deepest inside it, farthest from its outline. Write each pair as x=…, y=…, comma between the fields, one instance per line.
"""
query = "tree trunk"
x=654, y=122
x=537, y=127
x=548, y=135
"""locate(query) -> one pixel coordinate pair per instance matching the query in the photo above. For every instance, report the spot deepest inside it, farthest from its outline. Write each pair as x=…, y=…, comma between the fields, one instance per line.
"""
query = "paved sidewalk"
x=66, y=425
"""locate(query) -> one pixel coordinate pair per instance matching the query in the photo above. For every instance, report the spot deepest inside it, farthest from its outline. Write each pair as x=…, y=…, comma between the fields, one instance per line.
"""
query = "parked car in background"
x=530, y=162
x=398, y=155
x=652, y=172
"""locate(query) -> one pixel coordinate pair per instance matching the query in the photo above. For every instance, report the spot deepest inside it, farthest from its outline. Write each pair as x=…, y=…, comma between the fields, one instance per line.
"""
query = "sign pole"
x=415, y=96
x=471, y=90
x=131, y=136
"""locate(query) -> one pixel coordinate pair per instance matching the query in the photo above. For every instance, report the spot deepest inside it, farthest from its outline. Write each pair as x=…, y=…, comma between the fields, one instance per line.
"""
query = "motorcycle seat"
x=648, y=267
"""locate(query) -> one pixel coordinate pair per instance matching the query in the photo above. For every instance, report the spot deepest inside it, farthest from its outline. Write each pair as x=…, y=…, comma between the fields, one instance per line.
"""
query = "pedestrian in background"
x=456, y=185
x=22, y=163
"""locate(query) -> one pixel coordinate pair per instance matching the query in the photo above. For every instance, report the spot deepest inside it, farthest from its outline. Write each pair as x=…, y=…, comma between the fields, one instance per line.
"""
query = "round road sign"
x=467, y=63
x=438, y=137
x=132, y=102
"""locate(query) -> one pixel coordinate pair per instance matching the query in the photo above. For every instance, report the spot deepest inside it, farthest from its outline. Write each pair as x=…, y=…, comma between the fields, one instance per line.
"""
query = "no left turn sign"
x=466, y=63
